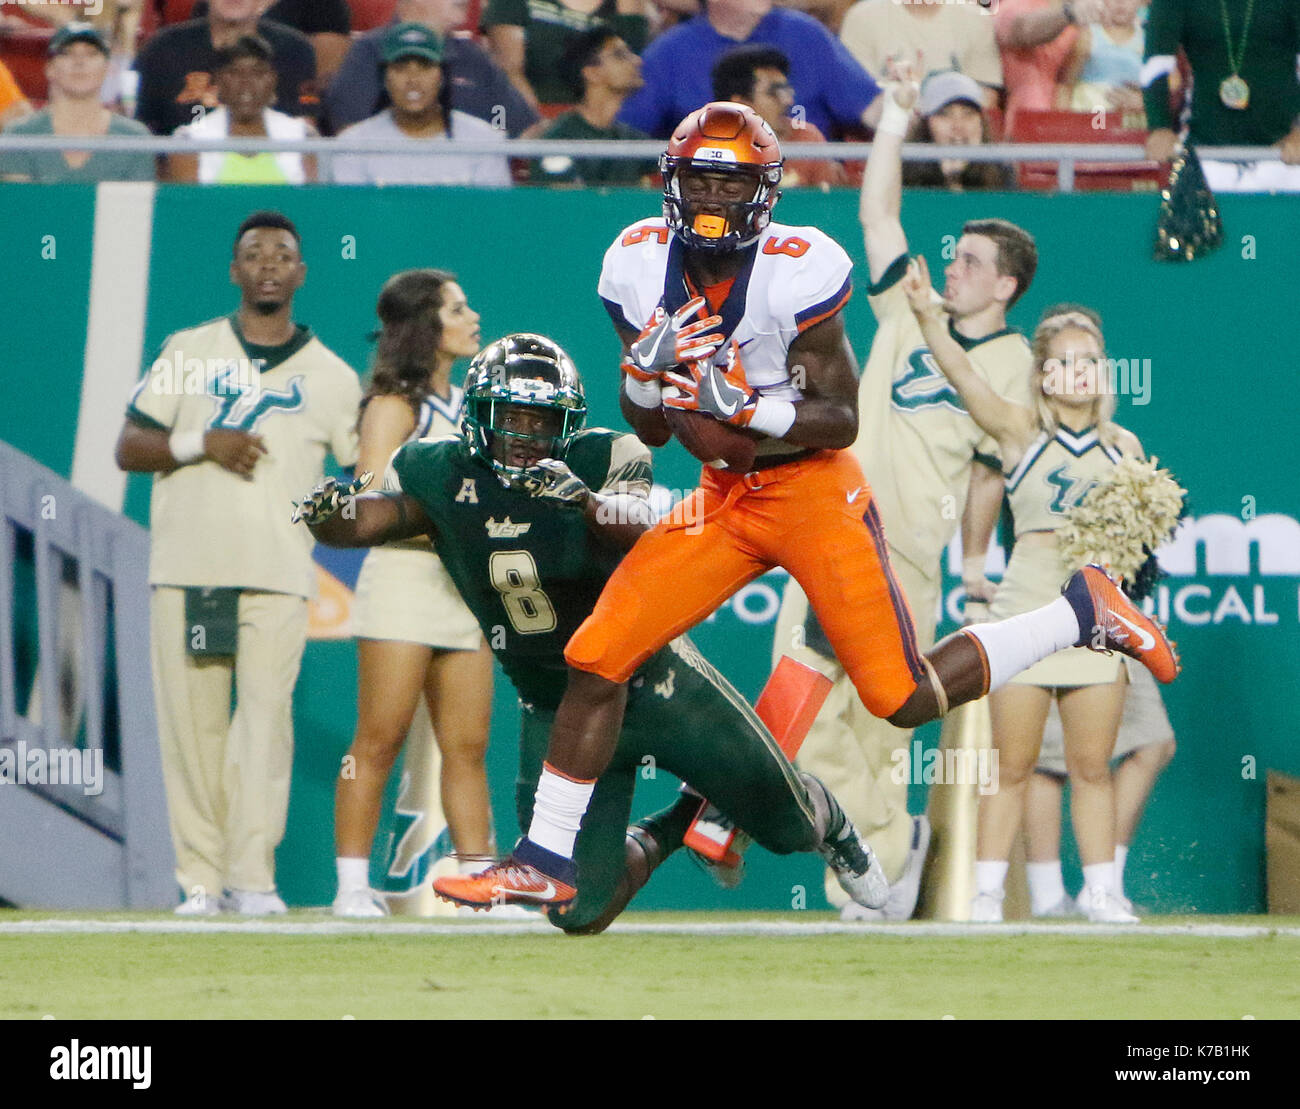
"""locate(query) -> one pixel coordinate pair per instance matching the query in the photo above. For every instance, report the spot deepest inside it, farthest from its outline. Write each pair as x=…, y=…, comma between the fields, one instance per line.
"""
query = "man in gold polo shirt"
x=233, y=419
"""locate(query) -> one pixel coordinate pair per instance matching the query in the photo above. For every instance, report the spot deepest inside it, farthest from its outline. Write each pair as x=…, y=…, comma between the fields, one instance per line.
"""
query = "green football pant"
x=682, y=717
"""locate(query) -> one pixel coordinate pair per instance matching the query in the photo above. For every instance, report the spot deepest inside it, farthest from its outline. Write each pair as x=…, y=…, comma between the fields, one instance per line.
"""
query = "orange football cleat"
x=1117, y=624
x=515, y=880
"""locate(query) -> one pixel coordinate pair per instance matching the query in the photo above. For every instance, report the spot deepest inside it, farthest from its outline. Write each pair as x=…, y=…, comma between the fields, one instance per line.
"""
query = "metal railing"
x=1066, y=155
x=86, y=843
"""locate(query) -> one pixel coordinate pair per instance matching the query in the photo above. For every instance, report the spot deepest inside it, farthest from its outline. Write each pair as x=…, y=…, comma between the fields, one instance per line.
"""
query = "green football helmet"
x=520, y=371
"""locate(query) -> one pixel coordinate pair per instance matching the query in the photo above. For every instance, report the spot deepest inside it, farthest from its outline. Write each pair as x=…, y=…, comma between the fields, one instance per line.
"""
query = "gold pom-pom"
x=1123, y=518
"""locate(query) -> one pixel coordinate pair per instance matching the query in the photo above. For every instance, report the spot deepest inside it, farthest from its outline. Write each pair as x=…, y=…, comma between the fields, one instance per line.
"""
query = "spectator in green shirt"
x=528, y=38
x=76, y=71
x=601, y=71
x=1245, y=89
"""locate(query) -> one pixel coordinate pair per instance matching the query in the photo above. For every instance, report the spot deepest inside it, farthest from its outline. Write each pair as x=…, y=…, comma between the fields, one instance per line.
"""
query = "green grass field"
x=365, y=973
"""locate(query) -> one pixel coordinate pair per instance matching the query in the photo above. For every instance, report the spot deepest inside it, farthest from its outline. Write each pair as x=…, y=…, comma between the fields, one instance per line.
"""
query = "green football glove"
x=326, y=499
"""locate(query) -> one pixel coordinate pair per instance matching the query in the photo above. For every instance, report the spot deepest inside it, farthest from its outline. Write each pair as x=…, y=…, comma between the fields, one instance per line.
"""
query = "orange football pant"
x=815, y=517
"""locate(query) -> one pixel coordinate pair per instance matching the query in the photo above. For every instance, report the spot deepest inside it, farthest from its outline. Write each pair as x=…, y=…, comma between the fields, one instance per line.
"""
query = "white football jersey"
x=798, y=277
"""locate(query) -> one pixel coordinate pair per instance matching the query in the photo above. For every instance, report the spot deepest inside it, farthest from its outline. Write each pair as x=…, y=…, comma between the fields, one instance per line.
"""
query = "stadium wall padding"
x=1221, y=411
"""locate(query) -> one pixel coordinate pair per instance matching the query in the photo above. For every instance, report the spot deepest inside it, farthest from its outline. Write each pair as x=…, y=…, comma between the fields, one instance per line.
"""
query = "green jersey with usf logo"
x=530, y=573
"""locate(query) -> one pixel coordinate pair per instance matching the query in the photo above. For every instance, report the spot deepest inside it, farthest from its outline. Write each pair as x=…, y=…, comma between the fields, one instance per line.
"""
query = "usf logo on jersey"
x=241, y=406
x=922, y=385
x=506, y=529
x=1069, y=490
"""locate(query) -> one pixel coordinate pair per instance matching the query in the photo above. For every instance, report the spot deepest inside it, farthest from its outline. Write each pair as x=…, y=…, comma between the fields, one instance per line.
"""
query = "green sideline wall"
x=1222, y=414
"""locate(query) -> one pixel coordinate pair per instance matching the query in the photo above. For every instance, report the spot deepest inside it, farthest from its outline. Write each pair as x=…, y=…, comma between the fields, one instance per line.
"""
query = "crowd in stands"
x=622, y=69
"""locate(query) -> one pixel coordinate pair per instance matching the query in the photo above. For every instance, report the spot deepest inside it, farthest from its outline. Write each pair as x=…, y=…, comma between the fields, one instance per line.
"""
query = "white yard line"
x=916, y=930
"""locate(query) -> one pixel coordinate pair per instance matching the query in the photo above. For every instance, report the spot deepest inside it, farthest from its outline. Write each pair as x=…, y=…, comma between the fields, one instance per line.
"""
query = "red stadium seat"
x=1082, y=127
x=24, y=53
x=473, y=13
x=369, y=14
x=159, y=13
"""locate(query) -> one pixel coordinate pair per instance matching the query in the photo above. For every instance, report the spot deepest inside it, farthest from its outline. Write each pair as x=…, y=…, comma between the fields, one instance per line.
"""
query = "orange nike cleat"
x=1109, y=621
x=518, y=879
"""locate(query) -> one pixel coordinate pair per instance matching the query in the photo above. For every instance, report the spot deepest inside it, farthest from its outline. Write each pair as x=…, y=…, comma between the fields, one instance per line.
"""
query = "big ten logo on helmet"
x=715, y=154
x=179, y=376
x=1257, y=550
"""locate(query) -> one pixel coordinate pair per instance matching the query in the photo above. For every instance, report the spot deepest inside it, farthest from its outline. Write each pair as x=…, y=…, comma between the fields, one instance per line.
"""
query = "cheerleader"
x=415, y=637
x=1052, y=455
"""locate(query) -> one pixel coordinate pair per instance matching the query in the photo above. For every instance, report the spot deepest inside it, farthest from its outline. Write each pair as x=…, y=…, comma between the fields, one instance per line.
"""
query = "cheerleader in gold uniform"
x=415, y=637
x=1052, y=455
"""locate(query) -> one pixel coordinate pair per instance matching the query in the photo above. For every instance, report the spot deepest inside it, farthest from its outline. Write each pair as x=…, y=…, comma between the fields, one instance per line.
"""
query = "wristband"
x=186, y=446
x=972, y=567
x=894, y=120
x=644, y=394
x=772, y=417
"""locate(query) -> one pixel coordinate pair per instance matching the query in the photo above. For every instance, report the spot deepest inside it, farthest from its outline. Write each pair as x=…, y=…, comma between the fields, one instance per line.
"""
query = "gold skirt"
x=1034, y=578
x=404, y=593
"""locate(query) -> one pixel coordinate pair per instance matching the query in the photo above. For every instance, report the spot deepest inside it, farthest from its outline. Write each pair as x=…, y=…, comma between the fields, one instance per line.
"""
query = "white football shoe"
x=856, y=867
x=358, y=903
x=986, y=908
x=199, y=904
x=1104, y=906
x=256, y=903
x=844, y=849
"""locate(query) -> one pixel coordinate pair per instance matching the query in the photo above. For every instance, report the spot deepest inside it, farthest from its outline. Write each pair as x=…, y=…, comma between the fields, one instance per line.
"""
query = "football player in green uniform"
x=530, y=514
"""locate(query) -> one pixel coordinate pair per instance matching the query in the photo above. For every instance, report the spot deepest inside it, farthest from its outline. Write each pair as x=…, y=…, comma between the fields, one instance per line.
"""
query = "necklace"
x=1233, y=91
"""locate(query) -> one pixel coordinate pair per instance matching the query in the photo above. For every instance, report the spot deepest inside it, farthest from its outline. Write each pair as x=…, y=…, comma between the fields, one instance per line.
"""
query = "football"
x=714, y=443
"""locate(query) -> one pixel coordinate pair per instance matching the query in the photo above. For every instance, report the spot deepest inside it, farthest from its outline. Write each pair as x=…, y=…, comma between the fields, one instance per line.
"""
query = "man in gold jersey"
x=917, y=446
x=233, y=419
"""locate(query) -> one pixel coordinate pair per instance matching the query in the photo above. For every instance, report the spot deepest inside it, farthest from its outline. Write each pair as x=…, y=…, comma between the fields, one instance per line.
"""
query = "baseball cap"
x=941, y=89
x=412, y=40
x=69, y=33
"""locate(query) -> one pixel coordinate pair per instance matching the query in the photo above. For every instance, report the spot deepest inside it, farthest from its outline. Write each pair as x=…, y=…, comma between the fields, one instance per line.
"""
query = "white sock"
x=472, y=866
x=1099, y=876
x=558, y=809
x=990, y=876
x=354, y=874
x=1046, y=886
x=1121, y=857
x=1016, y=643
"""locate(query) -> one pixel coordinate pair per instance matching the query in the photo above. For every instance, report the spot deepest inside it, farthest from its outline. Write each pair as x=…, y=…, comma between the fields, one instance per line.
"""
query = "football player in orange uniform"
x=773, y=361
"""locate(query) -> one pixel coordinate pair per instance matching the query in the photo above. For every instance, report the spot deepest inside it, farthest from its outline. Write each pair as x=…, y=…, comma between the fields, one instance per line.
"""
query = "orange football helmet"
x=725, y=138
